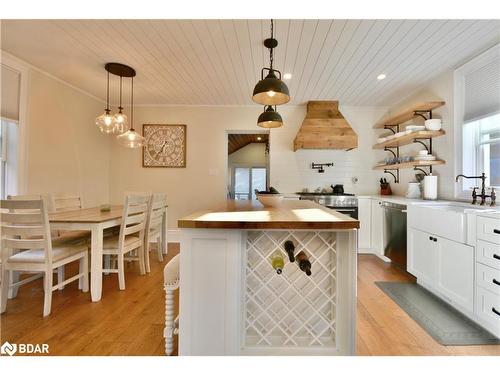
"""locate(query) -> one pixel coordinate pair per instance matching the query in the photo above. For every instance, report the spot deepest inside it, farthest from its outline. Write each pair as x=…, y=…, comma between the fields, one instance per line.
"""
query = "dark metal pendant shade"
x=271, y=90
x=270, y=118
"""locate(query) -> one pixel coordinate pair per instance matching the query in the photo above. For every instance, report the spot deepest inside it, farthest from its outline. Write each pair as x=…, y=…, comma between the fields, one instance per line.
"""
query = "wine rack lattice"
x=291, y=309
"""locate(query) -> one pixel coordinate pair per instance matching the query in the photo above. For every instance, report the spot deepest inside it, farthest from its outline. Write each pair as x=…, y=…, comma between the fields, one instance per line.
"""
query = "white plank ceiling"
x=217, y=62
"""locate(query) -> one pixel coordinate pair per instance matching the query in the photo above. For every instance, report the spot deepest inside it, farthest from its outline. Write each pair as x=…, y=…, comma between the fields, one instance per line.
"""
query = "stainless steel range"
x=345, y=203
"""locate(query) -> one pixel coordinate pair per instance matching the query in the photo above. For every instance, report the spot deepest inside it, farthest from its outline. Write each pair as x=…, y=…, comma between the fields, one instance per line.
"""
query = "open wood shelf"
x=407, y=114
x=410, y=164
x=409, y=138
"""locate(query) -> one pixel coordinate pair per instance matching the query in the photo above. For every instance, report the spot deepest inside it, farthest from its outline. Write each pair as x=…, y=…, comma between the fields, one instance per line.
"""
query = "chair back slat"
x=137, y=209
x=66, y=201
x=23, y=231
x=25, y=226
x=23, y=243
x=133, y=229
x=21, y=217
x=134, y=218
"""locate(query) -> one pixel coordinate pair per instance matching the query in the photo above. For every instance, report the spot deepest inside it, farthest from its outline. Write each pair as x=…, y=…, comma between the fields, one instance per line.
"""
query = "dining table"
x=96, y=221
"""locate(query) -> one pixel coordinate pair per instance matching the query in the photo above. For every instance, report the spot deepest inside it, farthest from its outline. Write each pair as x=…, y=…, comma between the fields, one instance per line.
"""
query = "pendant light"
x=270, y=118
x=120, y=118
x=271, y=90
x=105, y=122
x=131, y=138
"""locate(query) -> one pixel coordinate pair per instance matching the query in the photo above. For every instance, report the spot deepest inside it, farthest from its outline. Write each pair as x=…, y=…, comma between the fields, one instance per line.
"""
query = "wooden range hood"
x=324, y=127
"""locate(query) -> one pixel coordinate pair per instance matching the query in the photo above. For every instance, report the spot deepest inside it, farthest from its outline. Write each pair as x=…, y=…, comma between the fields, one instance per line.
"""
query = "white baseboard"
x=174, y=235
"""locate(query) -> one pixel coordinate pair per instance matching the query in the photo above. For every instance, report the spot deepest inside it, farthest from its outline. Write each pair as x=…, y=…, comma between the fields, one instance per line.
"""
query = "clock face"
x=165, y=146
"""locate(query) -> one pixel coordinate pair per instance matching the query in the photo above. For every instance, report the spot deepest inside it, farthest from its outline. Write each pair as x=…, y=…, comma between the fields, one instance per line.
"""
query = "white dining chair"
x=14, y=275
x=130, y=239
x=27, y=246
x=69, y=202
x=171, y=284
x=154, y=228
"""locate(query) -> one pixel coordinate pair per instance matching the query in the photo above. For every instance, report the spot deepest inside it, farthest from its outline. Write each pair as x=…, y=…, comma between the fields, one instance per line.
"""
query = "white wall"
x=66, y=152
x=440, y=88
x=203, y=182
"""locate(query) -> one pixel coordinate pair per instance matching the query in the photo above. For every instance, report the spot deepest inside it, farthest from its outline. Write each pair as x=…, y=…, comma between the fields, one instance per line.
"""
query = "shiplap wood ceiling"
x=218, y=62
x=238, y=141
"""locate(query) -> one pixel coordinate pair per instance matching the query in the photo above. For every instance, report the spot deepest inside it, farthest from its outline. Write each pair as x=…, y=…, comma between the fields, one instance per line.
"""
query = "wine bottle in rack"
x=303, y=262
x=290, y=250
x=278, y=261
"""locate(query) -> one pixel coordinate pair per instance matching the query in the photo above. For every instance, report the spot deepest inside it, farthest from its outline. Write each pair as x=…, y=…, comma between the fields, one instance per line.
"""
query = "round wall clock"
x=164, y=146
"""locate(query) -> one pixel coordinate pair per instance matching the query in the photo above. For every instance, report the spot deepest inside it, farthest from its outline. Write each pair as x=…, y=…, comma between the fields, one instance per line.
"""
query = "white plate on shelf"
x=415, y=128
x=425, y=158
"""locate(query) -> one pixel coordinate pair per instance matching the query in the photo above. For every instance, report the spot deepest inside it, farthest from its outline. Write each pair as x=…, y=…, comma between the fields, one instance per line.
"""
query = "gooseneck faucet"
x=483, y=194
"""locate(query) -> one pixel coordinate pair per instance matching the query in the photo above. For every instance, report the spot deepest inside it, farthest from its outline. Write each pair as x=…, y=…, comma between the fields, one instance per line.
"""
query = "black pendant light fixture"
x=270, y=118
x=271, y=90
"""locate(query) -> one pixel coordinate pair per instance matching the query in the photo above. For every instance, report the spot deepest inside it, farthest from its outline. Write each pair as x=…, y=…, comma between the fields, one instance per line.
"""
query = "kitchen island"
x=232, y=300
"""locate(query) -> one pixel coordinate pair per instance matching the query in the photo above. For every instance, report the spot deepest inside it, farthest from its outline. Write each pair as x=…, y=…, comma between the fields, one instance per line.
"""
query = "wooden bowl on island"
x=269, y=199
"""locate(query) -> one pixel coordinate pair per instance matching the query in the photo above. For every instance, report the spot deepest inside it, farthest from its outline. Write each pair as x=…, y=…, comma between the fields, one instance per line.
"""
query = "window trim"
x=458, y=110
x=24, y=71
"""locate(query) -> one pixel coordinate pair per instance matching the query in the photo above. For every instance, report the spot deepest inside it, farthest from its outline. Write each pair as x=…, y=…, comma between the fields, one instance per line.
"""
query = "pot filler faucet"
x=483, y=195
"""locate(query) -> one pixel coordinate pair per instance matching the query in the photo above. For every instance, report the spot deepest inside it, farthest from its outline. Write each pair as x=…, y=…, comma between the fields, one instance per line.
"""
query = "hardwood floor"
x=131, y=322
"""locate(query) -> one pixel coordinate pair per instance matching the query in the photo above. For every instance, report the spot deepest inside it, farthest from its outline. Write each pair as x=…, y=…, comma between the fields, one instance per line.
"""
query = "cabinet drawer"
x=488, y=229
x=488, y=278
x=488, y=253
x=488, y=308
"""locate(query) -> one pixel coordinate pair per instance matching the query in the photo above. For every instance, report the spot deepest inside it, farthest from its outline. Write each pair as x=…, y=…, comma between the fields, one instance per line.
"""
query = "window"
x=481, y=148
x=477, y=121
x=8, y=158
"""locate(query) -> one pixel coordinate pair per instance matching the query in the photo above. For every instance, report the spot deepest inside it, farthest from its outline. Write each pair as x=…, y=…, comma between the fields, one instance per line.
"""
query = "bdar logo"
x=8, y=348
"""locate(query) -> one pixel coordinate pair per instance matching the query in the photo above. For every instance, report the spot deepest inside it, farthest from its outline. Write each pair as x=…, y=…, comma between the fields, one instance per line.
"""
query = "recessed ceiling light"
x=287, y=75
x=381, y=76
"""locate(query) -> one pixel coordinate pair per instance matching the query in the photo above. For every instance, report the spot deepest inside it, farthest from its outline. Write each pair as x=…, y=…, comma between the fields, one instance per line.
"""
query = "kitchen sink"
x=444, y=218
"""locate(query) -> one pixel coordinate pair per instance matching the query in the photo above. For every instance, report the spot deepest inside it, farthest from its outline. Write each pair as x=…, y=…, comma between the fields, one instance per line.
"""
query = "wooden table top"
x=86, y=215
x=293, y=214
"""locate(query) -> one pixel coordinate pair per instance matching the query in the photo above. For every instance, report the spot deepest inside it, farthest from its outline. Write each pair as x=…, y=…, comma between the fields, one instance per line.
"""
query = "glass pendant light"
x=106, y=121
x=270, y=118
x=271, y=90
x=120, y=118
x=131, y=138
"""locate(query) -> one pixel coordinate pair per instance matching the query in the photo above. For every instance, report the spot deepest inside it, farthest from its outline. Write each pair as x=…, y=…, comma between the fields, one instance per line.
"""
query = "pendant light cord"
x=120, y=107
x=132, y=107
x=107, y=95
x=271, y=49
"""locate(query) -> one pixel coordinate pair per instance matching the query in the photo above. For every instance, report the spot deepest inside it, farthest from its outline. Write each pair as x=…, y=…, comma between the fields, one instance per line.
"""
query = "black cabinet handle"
x=495, y=281
x=435, y=239
x=497, y=231
x=496, y=256
x=430, y=238
x=495, y=311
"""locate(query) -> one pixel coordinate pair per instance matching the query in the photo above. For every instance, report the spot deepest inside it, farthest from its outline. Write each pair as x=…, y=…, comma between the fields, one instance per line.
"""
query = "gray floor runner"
x=445, y=324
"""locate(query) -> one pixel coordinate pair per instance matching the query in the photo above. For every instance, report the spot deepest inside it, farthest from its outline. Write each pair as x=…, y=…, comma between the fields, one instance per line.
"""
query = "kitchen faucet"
x=483, y=194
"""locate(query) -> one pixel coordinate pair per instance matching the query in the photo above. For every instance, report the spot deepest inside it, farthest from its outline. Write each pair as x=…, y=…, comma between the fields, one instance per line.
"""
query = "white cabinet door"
x=377, y=227
x=422, y=256
x=365, y=221
x=455, y=272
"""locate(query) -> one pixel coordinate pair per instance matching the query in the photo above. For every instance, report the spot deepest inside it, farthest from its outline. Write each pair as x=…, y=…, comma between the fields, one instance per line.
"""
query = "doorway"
x=247, y=164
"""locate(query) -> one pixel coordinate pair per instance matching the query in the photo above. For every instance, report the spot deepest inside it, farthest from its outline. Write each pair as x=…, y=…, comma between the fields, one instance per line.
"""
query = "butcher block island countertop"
x=293, y=214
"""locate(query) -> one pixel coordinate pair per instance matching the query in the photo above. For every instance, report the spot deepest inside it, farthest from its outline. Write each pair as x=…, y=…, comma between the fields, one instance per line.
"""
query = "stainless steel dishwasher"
x=395, y=233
